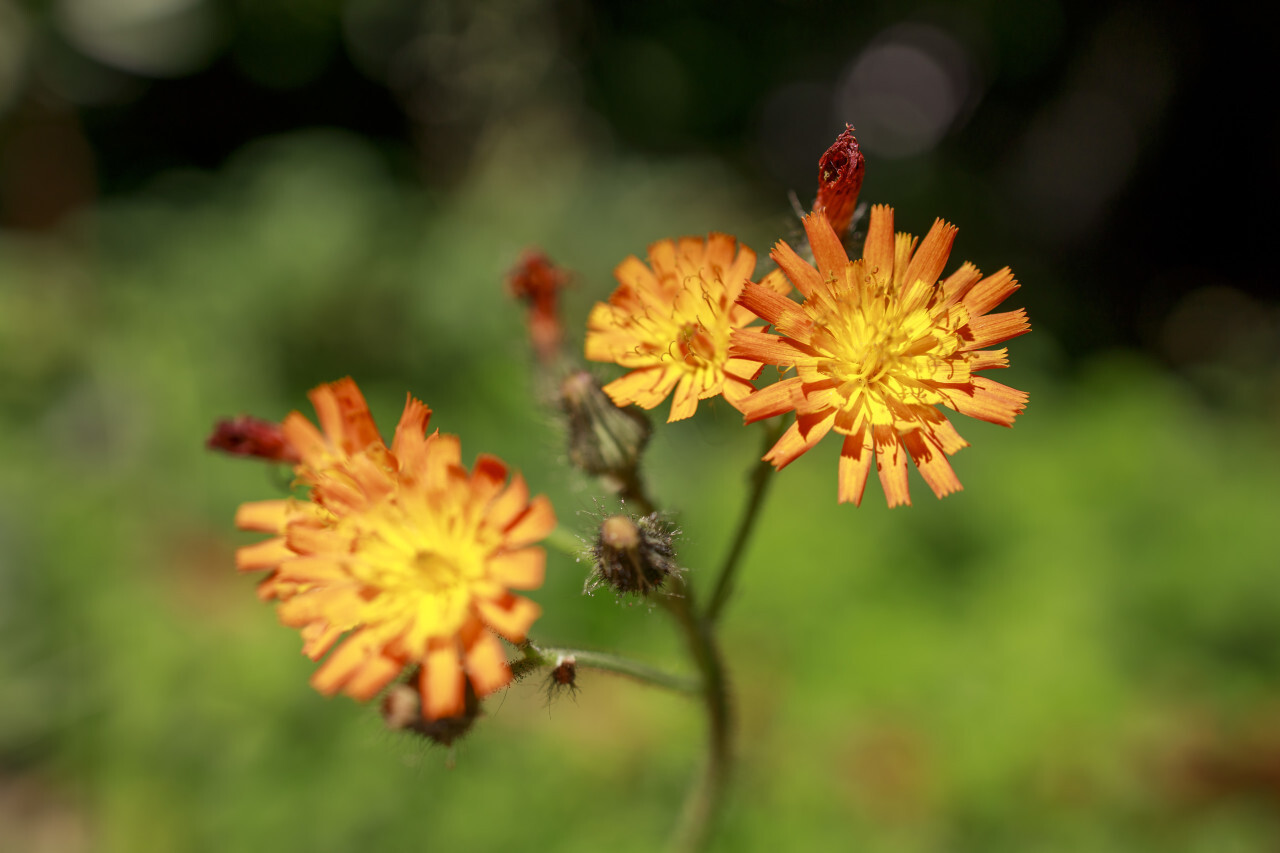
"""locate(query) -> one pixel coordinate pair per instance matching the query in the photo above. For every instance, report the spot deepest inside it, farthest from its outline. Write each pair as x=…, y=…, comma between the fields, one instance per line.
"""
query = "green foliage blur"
x=1079, y=651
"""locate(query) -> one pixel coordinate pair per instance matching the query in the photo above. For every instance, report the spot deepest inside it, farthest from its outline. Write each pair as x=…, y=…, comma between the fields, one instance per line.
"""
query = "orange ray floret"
x=877, y=345
x=400, y=553
x=669, y=322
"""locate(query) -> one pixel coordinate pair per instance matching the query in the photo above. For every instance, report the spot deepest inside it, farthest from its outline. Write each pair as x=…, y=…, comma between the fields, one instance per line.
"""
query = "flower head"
x=877, y=345
x=400, y=556
x=669, y=322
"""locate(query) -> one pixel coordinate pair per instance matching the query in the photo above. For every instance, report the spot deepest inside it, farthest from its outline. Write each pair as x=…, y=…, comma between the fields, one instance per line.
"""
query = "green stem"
x=761, y=477
x=539, y=656
x=702, y=806
x=563, y=540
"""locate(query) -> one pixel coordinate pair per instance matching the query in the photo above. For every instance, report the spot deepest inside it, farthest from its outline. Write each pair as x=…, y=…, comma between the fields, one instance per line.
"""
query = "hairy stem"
x=703, y=804
x=536, y=656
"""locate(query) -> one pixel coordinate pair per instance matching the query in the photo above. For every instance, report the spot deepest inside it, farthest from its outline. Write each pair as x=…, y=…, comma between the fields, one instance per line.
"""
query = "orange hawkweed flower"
x=400, y=549
x=877, y=345
x=669, y=321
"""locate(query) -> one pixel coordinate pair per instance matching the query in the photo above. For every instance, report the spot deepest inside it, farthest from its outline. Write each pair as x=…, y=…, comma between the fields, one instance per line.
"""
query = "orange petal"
x=684, y=402
x=263, y=516
x=776, y=281
x=957, y=285
x=632, y=273
x=313, y=570
x=987, y=359
x=878, y=249
x=442, y=682
x=318, y=637
x=742, y=368
x=828, y=252
x=342, y=664
x=411, y=429
x=719, y=254
x=987, y=400
x=927, y=263
x=793, y=445
x=308, y=538
x=891, y=462
x=855, y=464
x=358, y=430
x=486, y=664
x=763, y=347
x=511, y=615
x=802, y=275
x=510, y=504
x=993, y=328
x=303, y=435
x=990, y=292
x=788, y=317
x=771, y=400
x=637, y=387
x=488, y=476
x=522, y=569
x=932, y=463
x=376, y=674
x=533, y=525
x=263, y=555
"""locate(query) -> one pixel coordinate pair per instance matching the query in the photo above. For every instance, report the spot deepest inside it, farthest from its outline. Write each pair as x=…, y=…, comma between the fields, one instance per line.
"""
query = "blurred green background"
x=209, y=206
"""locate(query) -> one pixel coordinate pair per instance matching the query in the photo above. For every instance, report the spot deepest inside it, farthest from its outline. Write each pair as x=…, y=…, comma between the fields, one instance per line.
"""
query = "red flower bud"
x=537, y=282
x=246, y=435
x=840, y=180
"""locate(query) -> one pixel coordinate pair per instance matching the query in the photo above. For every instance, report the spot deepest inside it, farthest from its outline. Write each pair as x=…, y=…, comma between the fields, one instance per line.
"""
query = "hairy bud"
x=604, y=440
x=633, y=556
x=402, y=711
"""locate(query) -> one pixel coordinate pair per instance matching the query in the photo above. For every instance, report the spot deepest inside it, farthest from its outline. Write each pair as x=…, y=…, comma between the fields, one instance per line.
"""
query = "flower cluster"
x=400, y=550
x=399, y=559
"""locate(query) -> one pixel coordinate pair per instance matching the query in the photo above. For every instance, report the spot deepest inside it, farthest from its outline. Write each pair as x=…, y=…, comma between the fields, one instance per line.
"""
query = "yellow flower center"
x=883, y=352
x=696, y=346
x=417, y=569
x=435, y=572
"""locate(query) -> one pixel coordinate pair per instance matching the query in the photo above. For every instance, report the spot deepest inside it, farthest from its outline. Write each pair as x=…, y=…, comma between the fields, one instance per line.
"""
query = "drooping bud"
x=537, y=282
x=840, y=180
x=402, y=711
x=604, y=440
x=245, y=435
x=563, y=677
x=633, y=555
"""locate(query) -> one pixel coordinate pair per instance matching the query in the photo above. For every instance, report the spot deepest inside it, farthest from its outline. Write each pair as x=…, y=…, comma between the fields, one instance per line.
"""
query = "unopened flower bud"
x=249, y=436
x=564, y=676
x=537, y=282
x=633, y=556
x=840, y=180
x=604, y=440
x=402, y=711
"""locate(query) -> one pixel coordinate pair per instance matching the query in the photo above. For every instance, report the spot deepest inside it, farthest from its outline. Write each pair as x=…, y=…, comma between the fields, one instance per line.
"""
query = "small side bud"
x=633, y=556
x=537, y=282
x=840, y=180
x=563, y=677
x=402, y=711
x=249, y=436
x=604, y=440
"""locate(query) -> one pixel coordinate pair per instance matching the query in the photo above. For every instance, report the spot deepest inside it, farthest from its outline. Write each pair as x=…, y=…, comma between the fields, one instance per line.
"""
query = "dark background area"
x=1126, y=144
